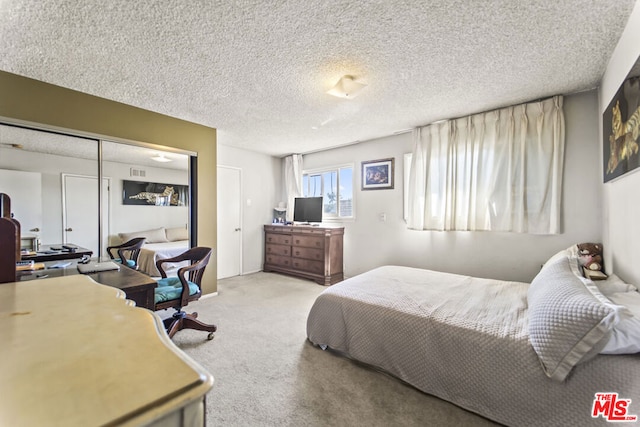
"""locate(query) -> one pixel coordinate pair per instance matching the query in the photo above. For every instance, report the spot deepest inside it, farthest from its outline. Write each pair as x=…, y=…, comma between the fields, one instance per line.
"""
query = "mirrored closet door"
x=52, y=179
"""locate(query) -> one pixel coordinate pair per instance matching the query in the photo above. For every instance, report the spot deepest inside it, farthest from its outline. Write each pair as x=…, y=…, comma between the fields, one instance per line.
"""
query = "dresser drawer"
x=282, y=261
x=277, y=249
x=315, y=267
x=309, y=241
x=308, y=253
x=280, y=239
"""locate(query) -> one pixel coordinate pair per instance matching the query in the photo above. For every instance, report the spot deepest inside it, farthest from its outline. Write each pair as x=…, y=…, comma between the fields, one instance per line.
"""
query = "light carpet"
x=267, y=373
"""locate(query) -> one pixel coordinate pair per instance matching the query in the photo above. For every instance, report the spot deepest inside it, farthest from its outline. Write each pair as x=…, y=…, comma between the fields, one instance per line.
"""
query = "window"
x=335, y=185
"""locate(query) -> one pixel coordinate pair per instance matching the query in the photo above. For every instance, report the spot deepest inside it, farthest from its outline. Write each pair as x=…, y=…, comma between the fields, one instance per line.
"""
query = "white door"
x=25, y=191
x=80, y=212
x=229, y=251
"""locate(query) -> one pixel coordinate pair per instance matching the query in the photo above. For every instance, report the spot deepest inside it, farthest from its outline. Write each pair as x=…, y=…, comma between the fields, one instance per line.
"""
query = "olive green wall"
x=33, y=101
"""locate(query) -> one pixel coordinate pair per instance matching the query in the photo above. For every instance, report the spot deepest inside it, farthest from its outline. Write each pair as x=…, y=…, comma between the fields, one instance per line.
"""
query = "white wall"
x=621, y=225
x=262, y=186
x=370, y=243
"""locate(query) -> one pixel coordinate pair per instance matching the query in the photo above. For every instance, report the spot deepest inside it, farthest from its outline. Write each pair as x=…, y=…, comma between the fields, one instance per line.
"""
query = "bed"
x=509, y=351
x=152, y=252
x=160, y=243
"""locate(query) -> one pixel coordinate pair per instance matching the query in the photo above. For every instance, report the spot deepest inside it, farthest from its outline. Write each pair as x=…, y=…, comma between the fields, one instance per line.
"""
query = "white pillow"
x=625, y=336
x=613, y=284
x=177, y=233
x=156, y=235
x=565, y=253
x=569, y=320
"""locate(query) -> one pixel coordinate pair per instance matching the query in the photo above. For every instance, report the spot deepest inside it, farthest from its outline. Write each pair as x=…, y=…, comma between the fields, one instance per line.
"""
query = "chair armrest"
x=109, y=251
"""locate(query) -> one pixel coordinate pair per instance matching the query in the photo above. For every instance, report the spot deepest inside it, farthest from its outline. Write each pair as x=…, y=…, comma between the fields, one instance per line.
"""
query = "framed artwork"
x=377, y=174
x=621, y=129
x=154, y=194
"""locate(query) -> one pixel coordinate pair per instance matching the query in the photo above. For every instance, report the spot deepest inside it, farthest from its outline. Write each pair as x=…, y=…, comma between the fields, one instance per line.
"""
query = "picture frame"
x=619, y=125
x=154, y=194
x=378, y=174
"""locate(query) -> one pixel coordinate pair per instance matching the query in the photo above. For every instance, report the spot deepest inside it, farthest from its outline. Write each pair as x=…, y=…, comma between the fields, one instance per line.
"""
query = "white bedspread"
x=463, y=339
x=152, y=252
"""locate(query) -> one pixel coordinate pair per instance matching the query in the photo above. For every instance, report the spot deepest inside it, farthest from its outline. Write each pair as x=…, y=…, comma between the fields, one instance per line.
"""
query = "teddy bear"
x=590, y=256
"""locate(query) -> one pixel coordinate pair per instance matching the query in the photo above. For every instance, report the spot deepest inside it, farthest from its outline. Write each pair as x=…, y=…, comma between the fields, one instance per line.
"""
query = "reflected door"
x=229, y=220
x=80, y=212
x=25, y=191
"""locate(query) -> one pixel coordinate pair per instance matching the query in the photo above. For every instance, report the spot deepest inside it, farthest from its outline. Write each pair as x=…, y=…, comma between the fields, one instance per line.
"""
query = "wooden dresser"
x=305, y=251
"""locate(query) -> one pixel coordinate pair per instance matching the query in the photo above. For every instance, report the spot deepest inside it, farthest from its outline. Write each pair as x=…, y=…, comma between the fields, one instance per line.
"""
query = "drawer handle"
x=296, y=264
x=297, y=253
x=269, y=238
x=317, y=243
x=286, y=262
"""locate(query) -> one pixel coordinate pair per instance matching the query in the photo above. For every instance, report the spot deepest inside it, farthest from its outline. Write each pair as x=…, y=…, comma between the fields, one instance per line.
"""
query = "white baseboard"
x=212, y=294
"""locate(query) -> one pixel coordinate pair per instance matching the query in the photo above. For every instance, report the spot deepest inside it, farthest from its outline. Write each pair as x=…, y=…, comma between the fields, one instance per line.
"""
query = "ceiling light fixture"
x=346, y=88
x=161, y=158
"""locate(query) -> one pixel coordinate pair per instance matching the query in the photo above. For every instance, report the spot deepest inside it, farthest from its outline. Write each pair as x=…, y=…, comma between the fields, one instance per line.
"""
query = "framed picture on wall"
x=621, y=130
x=377, y=174
x=154, y=194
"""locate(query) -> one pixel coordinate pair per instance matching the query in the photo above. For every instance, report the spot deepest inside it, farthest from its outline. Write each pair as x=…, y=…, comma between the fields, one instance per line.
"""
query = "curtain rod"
x=494, y=109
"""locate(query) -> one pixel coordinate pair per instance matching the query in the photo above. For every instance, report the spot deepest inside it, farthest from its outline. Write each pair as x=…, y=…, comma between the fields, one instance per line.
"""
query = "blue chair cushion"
x=130, y=262
x=170, y=288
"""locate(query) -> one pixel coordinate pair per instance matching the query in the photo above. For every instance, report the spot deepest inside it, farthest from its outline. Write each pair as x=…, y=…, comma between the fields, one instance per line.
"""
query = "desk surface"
x=137, y=286
x=48, y=253
x=75, y=353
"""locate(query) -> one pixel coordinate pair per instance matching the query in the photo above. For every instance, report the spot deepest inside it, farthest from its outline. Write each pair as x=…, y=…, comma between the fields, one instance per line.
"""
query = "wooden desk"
x=75, y=353
x=137, y=286
x=45, y=253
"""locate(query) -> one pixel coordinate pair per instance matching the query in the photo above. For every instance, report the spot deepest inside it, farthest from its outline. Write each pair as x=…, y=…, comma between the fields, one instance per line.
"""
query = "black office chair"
x=177, y=292
x=127, y=252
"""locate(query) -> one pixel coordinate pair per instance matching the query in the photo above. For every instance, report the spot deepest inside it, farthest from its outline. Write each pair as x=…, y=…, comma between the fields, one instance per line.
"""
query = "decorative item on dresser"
x=305, y=251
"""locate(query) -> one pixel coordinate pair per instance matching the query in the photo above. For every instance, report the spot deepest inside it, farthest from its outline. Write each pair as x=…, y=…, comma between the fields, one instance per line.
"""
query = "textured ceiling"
x=258, y=71
x=17, y=138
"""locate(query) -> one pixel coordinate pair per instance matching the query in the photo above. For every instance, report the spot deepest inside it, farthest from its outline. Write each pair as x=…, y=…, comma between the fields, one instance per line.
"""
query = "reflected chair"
x=127, y=252
x=177, y=292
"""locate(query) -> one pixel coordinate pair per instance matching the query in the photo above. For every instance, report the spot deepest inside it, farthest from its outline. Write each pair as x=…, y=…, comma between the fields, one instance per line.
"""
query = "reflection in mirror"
x=149, y=198
x=52, y=181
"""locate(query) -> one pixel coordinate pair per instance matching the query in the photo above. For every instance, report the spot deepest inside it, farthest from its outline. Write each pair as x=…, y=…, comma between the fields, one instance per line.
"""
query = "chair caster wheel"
x=210, y=336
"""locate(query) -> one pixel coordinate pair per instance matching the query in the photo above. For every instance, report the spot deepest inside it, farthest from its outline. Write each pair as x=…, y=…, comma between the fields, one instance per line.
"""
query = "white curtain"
x=500, y=171
x=293, y=181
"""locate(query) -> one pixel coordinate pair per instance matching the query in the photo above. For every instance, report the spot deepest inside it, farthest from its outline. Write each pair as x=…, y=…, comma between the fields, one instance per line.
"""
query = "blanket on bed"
x=465, y=340
x=152, y=252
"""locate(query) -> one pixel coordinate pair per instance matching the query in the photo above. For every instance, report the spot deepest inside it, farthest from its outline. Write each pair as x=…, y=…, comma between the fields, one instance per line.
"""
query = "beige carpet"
x=268, y=374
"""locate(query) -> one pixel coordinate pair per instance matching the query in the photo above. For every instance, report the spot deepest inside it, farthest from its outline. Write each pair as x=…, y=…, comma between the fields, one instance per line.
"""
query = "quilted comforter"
x=465, y=340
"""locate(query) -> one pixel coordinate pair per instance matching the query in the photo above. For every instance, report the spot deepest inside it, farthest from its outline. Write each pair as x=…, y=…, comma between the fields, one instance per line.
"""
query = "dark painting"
x=621, y=128
x=154, y=194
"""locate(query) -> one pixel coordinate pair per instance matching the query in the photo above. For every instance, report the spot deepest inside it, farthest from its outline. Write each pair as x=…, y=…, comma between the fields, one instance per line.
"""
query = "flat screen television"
x=307, y=209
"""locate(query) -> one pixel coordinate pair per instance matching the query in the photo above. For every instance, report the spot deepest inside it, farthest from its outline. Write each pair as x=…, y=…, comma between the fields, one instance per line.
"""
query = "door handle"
x=237, y=229
x=68, y=229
